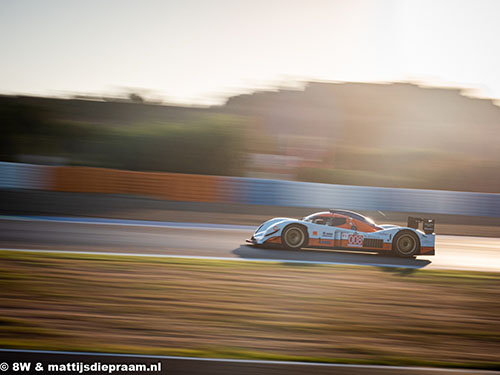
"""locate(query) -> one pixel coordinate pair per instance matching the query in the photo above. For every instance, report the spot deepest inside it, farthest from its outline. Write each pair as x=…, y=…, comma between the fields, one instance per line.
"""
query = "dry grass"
x=194, y=307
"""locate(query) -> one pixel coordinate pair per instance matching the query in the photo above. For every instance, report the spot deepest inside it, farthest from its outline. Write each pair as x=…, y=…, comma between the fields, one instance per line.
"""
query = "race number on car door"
x=355, y=240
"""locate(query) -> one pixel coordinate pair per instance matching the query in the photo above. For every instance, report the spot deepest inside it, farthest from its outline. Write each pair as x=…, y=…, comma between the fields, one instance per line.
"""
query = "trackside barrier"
x=170, y=186
x=24, y=176
x=201, y=188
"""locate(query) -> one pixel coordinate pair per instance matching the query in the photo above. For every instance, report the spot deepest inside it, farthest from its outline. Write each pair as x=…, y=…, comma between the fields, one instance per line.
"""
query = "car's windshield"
x=355, y=215
x=313, y=217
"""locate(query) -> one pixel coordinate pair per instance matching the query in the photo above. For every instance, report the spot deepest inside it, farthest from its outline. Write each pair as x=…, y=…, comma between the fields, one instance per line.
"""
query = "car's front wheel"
x=294, y=237
x=405, y=244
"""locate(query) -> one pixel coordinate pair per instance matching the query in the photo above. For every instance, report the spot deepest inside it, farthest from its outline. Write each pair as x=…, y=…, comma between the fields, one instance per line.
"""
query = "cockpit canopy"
x=339, y=218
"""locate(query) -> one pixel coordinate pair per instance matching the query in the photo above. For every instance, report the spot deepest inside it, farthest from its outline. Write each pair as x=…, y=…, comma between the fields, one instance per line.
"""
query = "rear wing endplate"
x=428, y=224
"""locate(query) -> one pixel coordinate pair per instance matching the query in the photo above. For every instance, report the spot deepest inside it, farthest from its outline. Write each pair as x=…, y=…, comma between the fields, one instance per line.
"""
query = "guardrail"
x=201, y=188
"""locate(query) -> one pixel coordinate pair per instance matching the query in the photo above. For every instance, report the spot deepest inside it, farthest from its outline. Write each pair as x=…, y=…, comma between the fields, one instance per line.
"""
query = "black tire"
x=405, y=244
x=294, y=237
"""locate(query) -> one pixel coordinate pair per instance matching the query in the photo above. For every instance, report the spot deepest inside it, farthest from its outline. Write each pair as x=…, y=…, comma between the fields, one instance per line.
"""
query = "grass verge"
x=326, y=313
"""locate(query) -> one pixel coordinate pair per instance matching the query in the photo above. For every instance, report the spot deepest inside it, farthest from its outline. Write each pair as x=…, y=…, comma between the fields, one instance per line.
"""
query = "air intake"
x=372, y=242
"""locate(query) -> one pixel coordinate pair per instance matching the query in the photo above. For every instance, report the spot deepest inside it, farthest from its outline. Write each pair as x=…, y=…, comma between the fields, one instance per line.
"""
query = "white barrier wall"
x=307, y=194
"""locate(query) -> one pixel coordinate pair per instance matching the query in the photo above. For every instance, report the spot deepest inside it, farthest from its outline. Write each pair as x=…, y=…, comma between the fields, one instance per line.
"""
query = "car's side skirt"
x=344, y=245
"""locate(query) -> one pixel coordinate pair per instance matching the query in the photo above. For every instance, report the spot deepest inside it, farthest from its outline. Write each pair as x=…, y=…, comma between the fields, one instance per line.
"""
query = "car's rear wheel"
x=405, y=244
x=294, y=237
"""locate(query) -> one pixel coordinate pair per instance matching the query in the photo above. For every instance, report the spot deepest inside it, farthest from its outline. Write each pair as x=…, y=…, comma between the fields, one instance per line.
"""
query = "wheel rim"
x=294, y=237
x=406, y=244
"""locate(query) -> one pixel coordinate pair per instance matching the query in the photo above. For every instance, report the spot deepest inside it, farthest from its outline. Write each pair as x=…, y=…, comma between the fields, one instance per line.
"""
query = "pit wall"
x=223, y=189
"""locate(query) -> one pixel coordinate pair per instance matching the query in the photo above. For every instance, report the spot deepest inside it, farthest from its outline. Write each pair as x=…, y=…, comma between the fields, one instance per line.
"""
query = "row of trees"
x=211, y=142
x=204, y=144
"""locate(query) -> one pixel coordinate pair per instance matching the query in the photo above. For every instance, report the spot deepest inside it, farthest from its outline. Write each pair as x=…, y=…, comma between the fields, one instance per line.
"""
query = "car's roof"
x=340, y=212
x=352, y=214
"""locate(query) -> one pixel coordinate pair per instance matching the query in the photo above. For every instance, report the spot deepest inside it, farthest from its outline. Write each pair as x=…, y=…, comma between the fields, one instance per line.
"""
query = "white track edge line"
x=165, y=224
x=200, y=257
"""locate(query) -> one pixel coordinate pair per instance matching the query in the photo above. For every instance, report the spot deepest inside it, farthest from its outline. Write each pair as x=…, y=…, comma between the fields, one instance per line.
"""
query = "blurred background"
x=386, y=93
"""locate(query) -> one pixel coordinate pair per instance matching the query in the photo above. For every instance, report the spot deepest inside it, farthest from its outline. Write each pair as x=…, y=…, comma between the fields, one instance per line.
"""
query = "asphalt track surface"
x=211, y=366
x=222, y=242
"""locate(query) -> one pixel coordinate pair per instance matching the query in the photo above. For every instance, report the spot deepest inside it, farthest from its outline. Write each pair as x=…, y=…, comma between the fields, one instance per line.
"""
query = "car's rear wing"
x=428, y=224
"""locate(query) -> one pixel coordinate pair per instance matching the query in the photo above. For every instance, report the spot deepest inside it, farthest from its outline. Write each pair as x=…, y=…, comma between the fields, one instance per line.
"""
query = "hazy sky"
x=199, y=51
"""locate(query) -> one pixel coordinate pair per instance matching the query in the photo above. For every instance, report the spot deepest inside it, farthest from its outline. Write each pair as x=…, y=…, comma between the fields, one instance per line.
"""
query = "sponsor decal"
x=355, y=240
x=345, y=236
x=315, y=233
x=326, y=234
x=325, y=242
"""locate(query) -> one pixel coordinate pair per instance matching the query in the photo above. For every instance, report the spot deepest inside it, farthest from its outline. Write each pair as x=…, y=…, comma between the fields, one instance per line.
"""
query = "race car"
x=347, y=230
